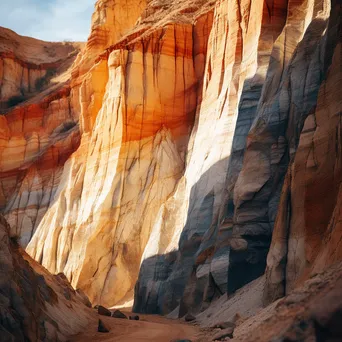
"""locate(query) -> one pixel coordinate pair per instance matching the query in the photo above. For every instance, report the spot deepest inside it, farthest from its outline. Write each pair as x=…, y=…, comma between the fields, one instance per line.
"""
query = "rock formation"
x=224, y=245
x=307, y=231
x=187, y=140
x=38, y=136
x=34, y=305
x=28, y=64
x=130, y=159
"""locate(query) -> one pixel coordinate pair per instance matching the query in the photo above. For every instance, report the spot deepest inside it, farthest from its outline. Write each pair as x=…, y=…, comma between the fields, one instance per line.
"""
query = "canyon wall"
x=38, y=136
x=27, y=64
x=38, y=126
x=307, y=231
x=224, y=244
x=34, y=305
x=131, y=157
x=165, y=157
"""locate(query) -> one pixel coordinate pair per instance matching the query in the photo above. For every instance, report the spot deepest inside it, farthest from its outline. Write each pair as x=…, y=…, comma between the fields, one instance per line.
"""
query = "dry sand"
x=148, y=328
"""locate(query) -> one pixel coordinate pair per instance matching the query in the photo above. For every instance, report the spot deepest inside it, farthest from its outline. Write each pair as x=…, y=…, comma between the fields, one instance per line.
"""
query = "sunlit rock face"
x=239, y=50
x=38, y=126
x=131, y=157
x=34, y=305
x=232, y=191
x=26, y=64
x=35, y=141
x=40, y=134
x=160, y=164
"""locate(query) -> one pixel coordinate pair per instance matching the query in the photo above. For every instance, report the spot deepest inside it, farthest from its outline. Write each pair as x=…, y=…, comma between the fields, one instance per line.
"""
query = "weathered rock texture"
x=307, y=233
x=312, y=312
x=129, y=162
x=34, y=305
x=190, y=115
x=27, y=64
x=226, y=236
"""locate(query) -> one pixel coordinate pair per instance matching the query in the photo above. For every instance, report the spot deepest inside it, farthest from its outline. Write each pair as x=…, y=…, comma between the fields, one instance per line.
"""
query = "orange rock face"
x=27, y=64
x=186, y=132
x=37, y=137
x=129, y=162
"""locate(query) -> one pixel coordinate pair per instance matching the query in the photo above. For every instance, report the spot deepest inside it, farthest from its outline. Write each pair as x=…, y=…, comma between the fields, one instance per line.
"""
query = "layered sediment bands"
x=190, y=121
x=307, y=234
x=128, y=164
x=39, y=136
x=298, y=65
x=34, y=305
x=192, y=268
x=112, y=19
x=26, y=64
x=38, y=128
x=35, y=141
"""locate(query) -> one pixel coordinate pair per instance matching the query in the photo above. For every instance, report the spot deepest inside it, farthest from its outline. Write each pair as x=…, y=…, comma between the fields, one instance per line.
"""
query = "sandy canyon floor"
x=148, y=328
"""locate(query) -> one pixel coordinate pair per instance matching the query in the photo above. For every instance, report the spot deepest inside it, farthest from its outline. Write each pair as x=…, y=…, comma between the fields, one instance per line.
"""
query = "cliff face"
x=34, y=305
x=307, y=231
x=130, y=159
x=192, y=131
x=27, y=64
x=38, y=128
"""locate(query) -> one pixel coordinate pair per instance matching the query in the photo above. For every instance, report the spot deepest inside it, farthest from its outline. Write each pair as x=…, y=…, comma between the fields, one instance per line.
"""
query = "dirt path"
x=148, y=328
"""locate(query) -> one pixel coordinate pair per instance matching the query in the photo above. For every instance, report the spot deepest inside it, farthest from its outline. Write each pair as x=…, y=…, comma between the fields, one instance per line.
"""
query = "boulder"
x=101, y=310
x=119, y=314
x=221, y=335
x=189, y=317
x=224, y=325
x=134, y=318
x=102, y=327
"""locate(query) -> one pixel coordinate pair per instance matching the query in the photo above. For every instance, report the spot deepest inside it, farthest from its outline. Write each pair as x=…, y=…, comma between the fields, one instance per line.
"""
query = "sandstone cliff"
x=227, y=234
x=28, y=64
x=186, y=136
x=34, y=305
x=39, y=129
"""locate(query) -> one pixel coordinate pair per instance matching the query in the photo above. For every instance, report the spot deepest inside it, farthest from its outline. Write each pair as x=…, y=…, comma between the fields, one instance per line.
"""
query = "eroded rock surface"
x=34, y=305
x=226, y=236
x=187, y=131
x=307, y=233
x=28, y=64
x=131, y=157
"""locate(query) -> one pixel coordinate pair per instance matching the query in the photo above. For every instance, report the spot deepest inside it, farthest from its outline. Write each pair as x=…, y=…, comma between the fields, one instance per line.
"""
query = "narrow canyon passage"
x=185, y=158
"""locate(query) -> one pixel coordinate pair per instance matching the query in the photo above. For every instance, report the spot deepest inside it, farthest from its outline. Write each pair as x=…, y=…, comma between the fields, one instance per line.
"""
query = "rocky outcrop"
x=27, y=65
x=34, y=305
x=307, y=232
x=311, y=312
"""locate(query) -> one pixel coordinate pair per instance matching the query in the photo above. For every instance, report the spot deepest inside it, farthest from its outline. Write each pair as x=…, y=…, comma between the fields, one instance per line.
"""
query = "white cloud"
x=52, y=20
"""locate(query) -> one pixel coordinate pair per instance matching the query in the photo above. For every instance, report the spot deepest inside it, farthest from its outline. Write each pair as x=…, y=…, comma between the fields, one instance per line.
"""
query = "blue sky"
x=51, y=20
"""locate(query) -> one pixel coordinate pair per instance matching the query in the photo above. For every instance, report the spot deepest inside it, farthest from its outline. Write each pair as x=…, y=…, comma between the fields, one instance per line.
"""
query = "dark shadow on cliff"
x=192, y=276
